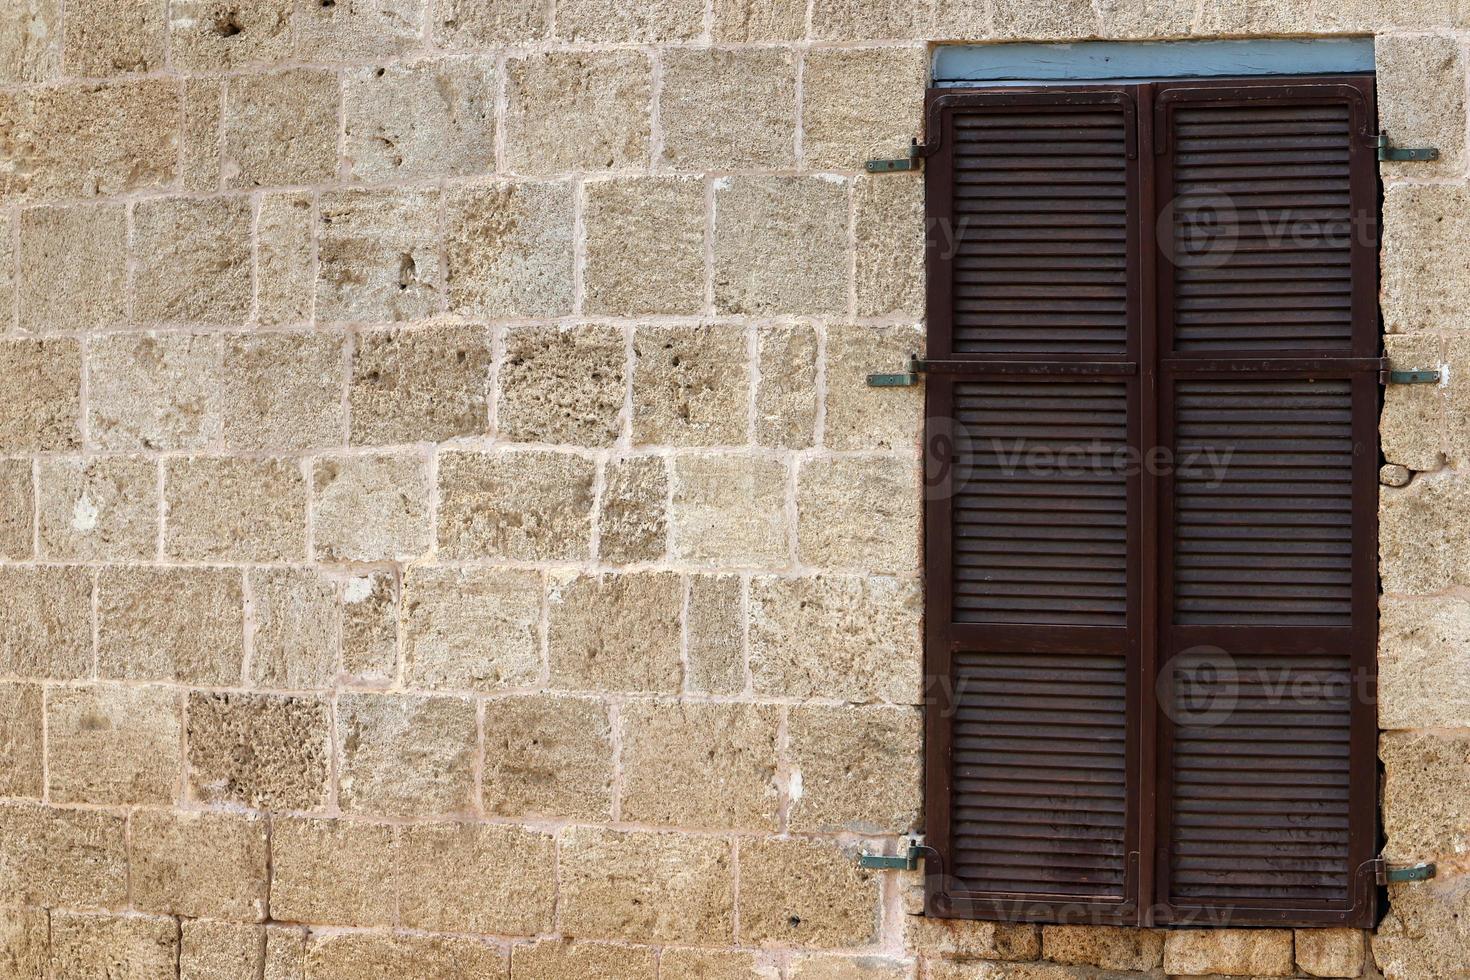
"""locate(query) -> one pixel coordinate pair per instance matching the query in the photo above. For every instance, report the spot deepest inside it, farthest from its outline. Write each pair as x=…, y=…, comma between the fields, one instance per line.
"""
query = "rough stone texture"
x=51, y=857
x=73, y=268
x=1331, y=952
x=552, y=960
x=859, y=417
x=510, y=249
x=1423, y=795
x=528, y=505
x=30, y=41
x=158, y=392
x=359, y=31
x=1419, y=546
x=406, y=755
x=420, y=385
x=1394, y=475
x=218, y=35
x=730, y=510
x=870, y=20
x=563, y=385
x=664, y=274
x=822, y=966
x=1411, y=427
x=721, y=756
x=708, y=964
x=1457, y=411
x=17, y=510
x=471, y=629
x=281, y=390
x=378, y=256
x=578, y=111
x=728, y=109
x=296, y=629
x=234, y=509
x=280, y=128
x=98, y=509
x=548, y=755
x=199, y=864
x=285, y=953
x=371, y=508
x=368, y=956
x=112, y=745
x=1426, y=935
x=259, y=751
x=285, y=267
x=192, y=261
x=615, y=632
x=824, y=636
x=470, y=23
x=44, y=411
x=433, y=118
x=24, y=939
x=846, y=120
x=647, y=887
x=1108, y=947
x=628, y=21
x=1423, y=680
x=333, y=872
x=133, y=947
x=854, y=512
x=746, y=21
x=1236, y=953
x=21, y=752
x=370, y=627
x=171, y=624
x=212, y=950
x=781, y=245
x=786, y=395
x=691, y=386
x=889, y=237
x=715, y=635
x=1424, y=227
x=805, y=893
x=633, y=520
x=113, y=37
x=857, y=769
x=480, y=879
x=204, y=101
x=1421, y=96
x=45, y=622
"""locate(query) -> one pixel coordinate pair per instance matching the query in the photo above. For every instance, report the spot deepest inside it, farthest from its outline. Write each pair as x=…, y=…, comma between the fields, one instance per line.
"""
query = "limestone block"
x=805, y=893
x=1106, y=947
x=1420, y=547
x=715, y=635
x=859, y=417
x=219, y=35
x=376, y=956
x=730, y=510
x=333, y=872
x=404, y=756
x=889, y=236
x=781, y=245
x=859, y=513
x=17, y=510
x=529, y=505
x=200, y=864
x=1421, y=92
x=285, y=261
x=419, y=119
x=628, y=21
x=234, y=509
x=281, y=128
x=73, y=267
x=1426, y=935
x=52, y=857
x=578, y=111
x=1412, y=426
x=378, y=256
x=257, y=750
x=171, y=624
x=46, y=622
x=371, y=507
x=155, y=392
x=823, y=966
x=282, y=391
x=98, y=508
x=510, y=251
x=43, y=412
x=563, y=385
x=871, y=20
x=1423, y=679
x=21, y=752
x=212, y=950
x=192, y=261
x=857, y=769
x=664, y=273
x=859, y=104
x=548, y=756
x=751, y=21
x=1426, y=232
x=358, y=31
x=421, y=385
x=633, y=519
x=296, y=629
x=691, y=386
x=30, y=41
x=204, y=105
x=551, y=959
x=370, y=626
x=786, y=395
x=476, y=879
x=134, y=947
x=615, y=632
x=1424, y=793
x=1331, y=952
x=1230, y=952
x=474, y=629
x=728, y=109
x=112, y=745
x=473, y=24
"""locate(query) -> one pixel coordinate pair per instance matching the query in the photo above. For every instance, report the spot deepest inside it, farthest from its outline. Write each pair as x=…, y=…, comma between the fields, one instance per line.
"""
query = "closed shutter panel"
x=1269, y=339
x=1033, y=606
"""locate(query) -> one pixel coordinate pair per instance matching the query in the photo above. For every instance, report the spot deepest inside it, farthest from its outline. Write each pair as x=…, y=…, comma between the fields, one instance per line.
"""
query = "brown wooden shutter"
x=1151, y=685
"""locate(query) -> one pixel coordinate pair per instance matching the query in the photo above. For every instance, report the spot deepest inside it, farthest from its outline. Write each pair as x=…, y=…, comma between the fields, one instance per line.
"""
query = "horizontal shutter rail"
x=1253, y=118
x=1327, y=367
x=992, y=365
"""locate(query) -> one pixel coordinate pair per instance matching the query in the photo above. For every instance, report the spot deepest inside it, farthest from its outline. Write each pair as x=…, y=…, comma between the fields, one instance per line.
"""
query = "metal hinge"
x=910, y=162
x=906, y=378
x=906, y=861
x=1432, y=376
x=1400, y=154
x=1385, y=875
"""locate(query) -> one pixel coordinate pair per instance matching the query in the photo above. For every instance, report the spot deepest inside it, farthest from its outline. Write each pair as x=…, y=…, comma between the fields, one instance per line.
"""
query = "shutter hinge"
x=1431, y=376
x=908, y=860
x=904, y=379
x=1386, y=151
x=910, y=162
x=1385, y=875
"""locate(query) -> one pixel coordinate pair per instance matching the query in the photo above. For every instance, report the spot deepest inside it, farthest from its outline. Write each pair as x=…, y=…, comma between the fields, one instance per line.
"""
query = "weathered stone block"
x=362, y=31
x=371, y=508
x=578, y=111
x=1230, y=952
x=664, y=274
x=1412, y=426
x=377, y=956
x=171, y=624
x=871, y=20
x=422, y=385
x=1426, y=935
x=234, y=509
x=1426, y=228
x=1146, y=19
x=1054, y=20
x=1423, y=679
x=859, y=417
x=548, y=756
x=378, y=256
x=781, y=245
x=21, y=750
x=405, y=756
x=551, y=959
x=712, y=964
x=17, y=510
x=786, y=395
x=857, y=769
x=73, y=267
x=258, y=750
x=158, y=392
x=563, y=385
x=730, y=510
x=52, y=857
x=529, y=505
x=715, y=635
x=471, y=628
x=43, y=412
x=628, y=21
x=1421, y=92
x=753, y=21
x=30, y=41
x=646, y=887
x=691, y=386
x=133, y=947
x=370, y=627
x=476, y=878
x=728, y=109
x=285, y=953
x=859, y=513
x=281, y=128
x=433, y=118
x=1419, y=542
x=213, y=950
x=204, y=105
x=823, y=966
x=296, y=632
x=219, y=35
x=616, y=632
x=889, y=239
x=192, y=261
x=98, y=509
x=1331, y=952
x=200, y=864
x=1309, y=17
x=1425, y=776
x=633, y=522
x=473, y=24
x=333, y=872
x=721, y=756
x=112, y=745
x=509, y=248
x=1107, y=947
x=282, y=391
x=965, y=939
x=834, y=637
x=46, y=622
x=805, y=894
x=285, y=264
x=847, y=120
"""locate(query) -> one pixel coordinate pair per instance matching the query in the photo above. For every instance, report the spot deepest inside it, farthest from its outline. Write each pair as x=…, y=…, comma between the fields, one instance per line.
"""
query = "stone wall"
x=445, y=532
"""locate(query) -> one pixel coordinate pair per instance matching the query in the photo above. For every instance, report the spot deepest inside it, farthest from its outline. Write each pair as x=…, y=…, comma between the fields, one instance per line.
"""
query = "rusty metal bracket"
x=911, y=162
x=1425, y=377
x=1386, y=151
x=1385, y=875
x=906, y=378
x=906, y=861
